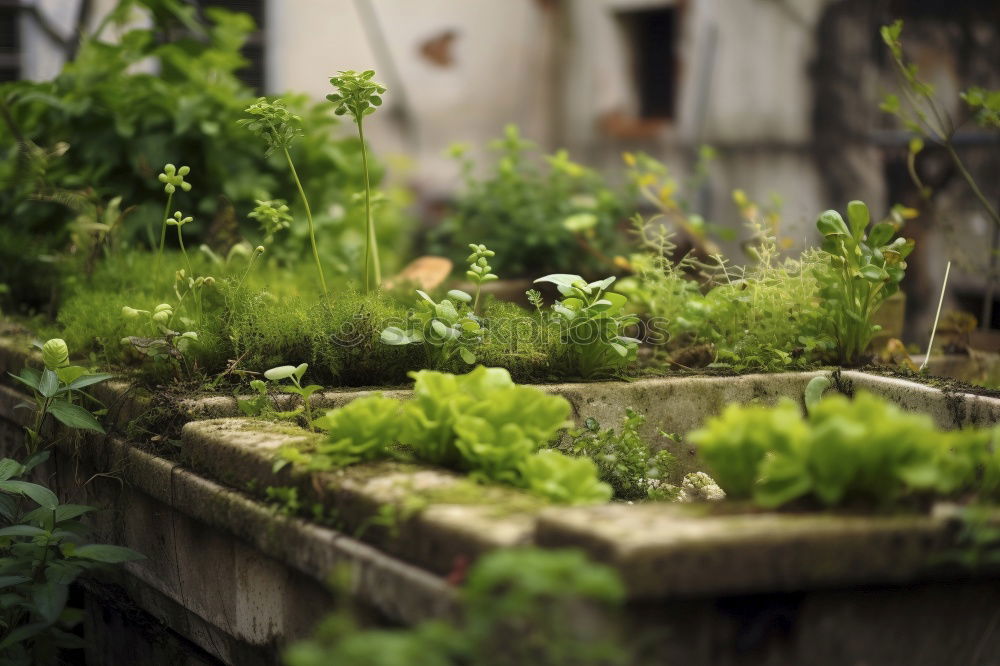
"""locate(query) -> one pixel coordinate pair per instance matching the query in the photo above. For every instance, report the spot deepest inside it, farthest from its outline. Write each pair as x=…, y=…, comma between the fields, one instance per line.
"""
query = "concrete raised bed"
x=234, y=578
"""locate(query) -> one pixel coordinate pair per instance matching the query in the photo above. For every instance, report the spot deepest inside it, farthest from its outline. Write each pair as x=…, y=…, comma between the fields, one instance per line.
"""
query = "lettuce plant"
x=480, y=422
x=863, y=269
x=486, y=401
x=591, y=324
x=863, y=451
x=563, y=479
x=360, y=431
x=358, y=94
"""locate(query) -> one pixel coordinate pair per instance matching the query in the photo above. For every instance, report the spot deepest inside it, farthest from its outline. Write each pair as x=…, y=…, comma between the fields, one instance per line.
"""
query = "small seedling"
x=591, y=320
x=54, y=390
x=479, y=270
x=178, y=220
x=446, y=328
x=358, y=94
x=863, y=269
x=278, y=127
x=295, y=373
x=273, y=216
x=172, y=178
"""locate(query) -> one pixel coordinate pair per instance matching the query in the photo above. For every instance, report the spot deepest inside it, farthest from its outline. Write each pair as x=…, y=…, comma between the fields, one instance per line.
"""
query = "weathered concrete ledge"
x=229, y=572
x=684, y=551
x=431, y=517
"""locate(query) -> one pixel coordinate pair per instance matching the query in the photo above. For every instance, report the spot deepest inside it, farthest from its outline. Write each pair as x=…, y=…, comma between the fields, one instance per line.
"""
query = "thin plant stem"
x=163, y=231
x=972, y=183
x=371, y=242
x=250, y=265
x=187, y=261
x=309, y=218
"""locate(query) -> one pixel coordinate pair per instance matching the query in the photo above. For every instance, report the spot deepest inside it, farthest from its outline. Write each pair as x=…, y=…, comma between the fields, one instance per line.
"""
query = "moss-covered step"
x=664, y=550
x=431, y=517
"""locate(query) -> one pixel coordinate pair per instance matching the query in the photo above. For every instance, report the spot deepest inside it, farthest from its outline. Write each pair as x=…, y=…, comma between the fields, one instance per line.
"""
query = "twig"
x=930, y=344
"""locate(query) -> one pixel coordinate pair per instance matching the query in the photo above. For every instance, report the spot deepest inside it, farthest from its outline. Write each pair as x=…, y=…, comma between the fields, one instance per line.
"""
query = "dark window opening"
x=10, y=43
x=948, y=10
x=651, y=34
x=255, y=51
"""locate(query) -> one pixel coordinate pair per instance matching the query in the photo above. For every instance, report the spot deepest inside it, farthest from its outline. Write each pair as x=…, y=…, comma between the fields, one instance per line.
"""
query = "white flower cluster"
x=700, y=487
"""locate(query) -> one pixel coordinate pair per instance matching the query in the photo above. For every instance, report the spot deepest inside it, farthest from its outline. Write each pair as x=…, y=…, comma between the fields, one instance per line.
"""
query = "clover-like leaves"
x=272, y=122
x=357, y=93
x=172, y=178
x=179, y=220
x=273, y=216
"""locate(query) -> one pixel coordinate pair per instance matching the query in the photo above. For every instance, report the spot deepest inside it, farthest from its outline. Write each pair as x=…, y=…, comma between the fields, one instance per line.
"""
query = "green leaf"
x=880, y=234
x=48, y=384
x=74, y=416
x=394, y=335
x=29, y=377
x=830, y=223
x=460, y=295
x=8, y=581
x=9, y=468
x=49, y=600
x=280, y=372
x=22, y=633
x=873, y=273
x=62, y=512
x=39, y=494
x=23, y=530
x=70, y=373
x=561, y=279
x=88, y=380
x=467, y=356
x=106, y=553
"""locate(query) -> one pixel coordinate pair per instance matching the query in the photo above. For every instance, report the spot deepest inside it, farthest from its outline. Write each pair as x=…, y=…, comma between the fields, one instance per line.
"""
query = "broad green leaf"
x=830, y=223
x=62, y=512
x=39, y=494
x=880, y=234
x=22, y=633
x=460, y=295
x=467, y=356
x=7, y=581
x=74, y=416
x=394, y=335
x=106, y=553
x=873, y=273
x=280, y=372
x=49, y=599
x=9, y=468
x=23, y=530
x=561, y=279
x=29, y=377
x=48, y=384
x=617, y=301
x=88, y=380
x=857, y=214
x=70, y=373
